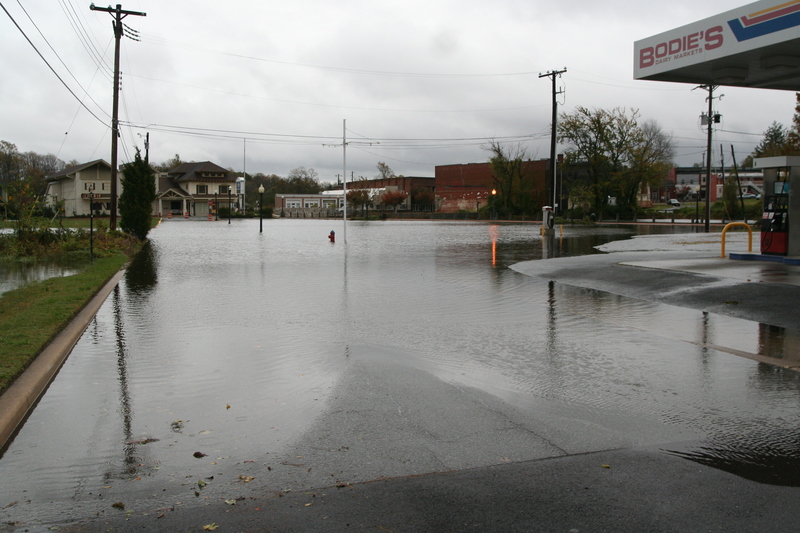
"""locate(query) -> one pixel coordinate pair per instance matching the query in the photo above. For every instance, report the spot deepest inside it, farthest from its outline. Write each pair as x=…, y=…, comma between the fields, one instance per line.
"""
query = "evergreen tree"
x=793, y=136
x=774, y=142
x=138, y=195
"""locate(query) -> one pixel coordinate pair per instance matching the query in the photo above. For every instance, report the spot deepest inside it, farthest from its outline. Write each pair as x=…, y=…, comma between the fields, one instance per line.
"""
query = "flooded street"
x=232, y=361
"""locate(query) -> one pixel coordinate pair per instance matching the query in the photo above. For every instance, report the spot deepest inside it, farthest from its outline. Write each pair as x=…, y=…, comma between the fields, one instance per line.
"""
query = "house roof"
x=166, y=184
x=69, y=172
x=200, y=171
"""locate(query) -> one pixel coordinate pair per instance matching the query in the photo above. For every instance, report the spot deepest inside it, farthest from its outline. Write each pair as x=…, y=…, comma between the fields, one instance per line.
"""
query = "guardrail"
x=749, y=235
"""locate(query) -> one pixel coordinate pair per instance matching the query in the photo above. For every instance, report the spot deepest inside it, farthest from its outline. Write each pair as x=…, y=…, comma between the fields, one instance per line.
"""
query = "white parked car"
x=673, y=202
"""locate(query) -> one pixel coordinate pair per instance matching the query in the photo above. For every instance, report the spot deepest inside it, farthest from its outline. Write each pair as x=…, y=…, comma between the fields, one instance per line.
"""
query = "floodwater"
x=226, y=341
x=16, y=274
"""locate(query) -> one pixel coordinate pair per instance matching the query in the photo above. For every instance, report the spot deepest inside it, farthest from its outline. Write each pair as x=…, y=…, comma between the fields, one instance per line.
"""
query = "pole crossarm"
x=117, y=9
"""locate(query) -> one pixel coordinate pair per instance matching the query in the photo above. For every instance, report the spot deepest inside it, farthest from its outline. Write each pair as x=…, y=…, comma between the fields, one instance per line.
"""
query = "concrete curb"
x=18, y=401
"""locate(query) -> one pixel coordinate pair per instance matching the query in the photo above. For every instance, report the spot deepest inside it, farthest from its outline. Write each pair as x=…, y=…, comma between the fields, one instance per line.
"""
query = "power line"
x=175, y=44
x=85, y=39
x=284, y=138
x=50, y=66
x=337, y=106
x=85, y=91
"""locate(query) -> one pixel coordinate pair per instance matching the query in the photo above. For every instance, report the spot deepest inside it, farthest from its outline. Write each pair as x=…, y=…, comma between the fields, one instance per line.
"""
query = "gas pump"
x=775, y=221
x=780, y=223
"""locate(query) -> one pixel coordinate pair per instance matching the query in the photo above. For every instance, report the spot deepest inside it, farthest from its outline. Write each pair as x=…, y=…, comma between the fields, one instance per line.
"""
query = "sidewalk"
x=616, y=491
x=684, y=270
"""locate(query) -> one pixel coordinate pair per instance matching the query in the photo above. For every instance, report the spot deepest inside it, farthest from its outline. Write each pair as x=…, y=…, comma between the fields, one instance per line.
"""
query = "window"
x=202, y=189
x=223, y=189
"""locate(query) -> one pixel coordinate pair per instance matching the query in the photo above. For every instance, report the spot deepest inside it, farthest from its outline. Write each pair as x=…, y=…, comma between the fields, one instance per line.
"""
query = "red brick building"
x=469, y=187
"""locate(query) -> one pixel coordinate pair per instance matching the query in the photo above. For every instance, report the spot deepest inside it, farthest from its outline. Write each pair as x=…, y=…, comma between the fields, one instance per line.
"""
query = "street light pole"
x=261, y=209
x=494, y=194
x=230, y=207
x=91, y=222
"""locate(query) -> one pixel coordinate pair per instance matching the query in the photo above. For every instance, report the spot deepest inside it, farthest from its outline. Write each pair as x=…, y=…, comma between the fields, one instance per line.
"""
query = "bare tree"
x=385, y=171
x=507, y=168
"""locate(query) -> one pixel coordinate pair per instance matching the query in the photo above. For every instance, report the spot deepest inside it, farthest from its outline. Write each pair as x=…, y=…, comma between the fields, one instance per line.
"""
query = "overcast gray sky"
x=268, y=84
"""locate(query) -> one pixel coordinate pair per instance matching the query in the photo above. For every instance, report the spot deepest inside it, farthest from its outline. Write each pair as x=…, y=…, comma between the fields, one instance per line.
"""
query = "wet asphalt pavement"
x=380, y=421
x=612, y=491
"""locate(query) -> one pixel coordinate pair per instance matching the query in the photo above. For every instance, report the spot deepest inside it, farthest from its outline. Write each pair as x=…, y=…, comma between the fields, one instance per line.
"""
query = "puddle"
x=15, y=274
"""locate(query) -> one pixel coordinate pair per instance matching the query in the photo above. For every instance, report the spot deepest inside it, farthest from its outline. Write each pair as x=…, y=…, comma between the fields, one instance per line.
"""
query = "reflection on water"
x=779, y=343
x=141, y=275
x=226, y=341
x=14, y=274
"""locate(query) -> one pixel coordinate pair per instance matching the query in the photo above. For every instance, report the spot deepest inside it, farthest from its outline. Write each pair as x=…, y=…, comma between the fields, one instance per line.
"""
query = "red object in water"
x=332, y=236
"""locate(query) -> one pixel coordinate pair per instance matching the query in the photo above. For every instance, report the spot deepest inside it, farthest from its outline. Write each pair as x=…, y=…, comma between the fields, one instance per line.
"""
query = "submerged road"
x=586, y=405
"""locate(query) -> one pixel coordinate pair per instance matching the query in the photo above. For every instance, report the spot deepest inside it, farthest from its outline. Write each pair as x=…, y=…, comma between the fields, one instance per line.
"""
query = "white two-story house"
x=73, y=185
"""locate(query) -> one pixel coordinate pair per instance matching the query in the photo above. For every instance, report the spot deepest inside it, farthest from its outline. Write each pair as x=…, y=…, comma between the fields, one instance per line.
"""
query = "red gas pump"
x=775, y=225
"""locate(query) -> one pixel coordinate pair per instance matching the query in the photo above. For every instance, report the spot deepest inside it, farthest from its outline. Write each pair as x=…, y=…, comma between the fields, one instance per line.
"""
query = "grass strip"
x=32, y=315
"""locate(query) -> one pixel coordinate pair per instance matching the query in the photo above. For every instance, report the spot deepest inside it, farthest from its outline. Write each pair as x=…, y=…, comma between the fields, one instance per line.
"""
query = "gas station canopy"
x=757, y=45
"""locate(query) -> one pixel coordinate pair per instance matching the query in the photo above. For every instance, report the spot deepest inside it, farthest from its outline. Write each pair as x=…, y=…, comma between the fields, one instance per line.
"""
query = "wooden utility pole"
x=118, y=13
x=711, y=119
x=550, y=181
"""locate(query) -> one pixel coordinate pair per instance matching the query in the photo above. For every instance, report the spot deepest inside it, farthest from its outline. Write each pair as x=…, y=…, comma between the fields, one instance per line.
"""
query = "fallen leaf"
x=210, y=527
x=201, y=483
x=606, y=466
x=227, y=406
x=199, y=455
x=160, y=516
x=230, y=502
x=246, y=479
x=309, y=504
x=118, y=505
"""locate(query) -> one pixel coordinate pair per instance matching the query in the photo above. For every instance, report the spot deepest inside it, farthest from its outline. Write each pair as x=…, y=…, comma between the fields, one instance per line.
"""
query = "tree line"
x=610, y=153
